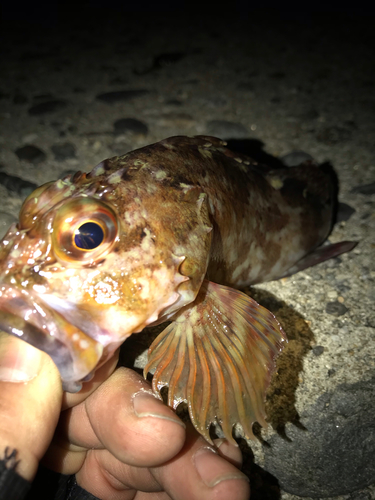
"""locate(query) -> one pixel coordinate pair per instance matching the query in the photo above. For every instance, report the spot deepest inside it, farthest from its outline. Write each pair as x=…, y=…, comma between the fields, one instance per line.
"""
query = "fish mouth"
x=75, y=354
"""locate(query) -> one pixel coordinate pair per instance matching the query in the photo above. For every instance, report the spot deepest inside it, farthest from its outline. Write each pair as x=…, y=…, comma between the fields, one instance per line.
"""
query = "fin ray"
x=218, y=356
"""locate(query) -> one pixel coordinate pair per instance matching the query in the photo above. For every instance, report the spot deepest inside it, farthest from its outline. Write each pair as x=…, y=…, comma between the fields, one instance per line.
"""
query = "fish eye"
x=88, y=236
x=84, y=231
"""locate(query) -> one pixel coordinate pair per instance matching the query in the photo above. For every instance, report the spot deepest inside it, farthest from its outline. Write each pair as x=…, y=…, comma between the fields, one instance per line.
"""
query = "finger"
x=124, y=417
x=229, y=452
x=199, y=472
x=30, y=402
x=196, y=472
x=106, y=477
x=102, y=374
x=61, y=455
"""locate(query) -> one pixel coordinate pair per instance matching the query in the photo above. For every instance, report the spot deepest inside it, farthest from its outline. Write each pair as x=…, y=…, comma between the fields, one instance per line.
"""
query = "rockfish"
x=166, y=233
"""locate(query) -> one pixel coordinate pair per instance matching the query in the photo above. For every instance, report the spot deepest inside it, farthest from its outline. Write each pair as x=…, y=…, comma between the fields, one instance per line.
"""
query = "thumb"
x=30, y=402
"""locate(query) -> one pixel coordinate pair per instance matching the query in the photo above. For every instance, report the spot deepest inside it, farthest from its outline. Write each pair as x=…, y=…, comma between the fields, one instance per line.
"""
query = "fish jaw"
x=23, y=315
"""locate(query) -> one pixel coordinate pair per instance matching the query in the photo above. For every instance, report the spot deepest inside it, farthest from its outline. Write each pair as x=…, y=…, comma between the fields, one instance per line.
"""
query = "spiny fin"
x=218, y=356
x=320, y=255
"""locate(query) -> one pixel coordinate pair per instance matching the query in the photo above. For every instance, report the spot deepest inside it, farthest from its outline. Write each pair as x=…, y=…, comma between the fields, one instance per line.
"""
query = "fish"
x=167, y=233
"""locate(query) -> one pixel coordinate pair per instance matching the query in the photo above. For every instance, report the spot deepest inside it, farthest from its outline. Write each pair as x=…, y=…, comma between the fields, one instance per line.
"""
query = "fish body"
x=165, y=233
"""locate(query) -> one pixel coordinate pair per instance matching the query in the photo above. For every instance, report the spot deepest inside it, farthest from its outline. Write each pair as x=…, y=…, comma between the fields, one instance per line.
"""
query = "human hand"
x=120, y=441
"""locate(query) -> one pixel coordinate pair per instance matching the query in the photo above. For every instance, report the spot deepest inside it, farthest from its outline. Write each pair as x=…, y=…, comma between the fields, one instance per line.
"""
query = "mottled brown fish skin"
x=262, y=224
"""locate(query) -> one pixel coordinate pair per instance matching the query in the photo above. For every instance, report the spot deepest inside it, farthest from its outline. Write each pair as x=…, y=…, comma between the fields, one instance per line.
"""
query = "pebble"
x=364, y=188
x=121, y=95
x=46, y=107
x=295, y=158
x=17, y=185
x=29, y=138
x=173, y=102
x=224, y=129
x=332, y=294
x=344, y=212
x=124, y=125
x=30, y=153
x=336, y=308
x=167, y=59
x=318, y=350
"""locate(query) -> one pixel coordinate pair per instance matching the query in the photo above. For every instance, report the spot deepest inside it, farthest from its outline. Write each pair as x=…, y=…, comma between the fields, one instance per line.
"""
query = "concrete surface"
x=275, y=83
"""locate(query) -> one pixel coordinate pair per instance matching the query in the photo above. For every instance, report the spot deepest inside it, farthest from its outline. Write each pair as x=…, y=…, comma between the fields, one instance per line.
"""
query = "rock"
x=17, y=185
x=173, y=102
x=30, y=153
x=333, y=454
x=224, y=129
x=344, y=212
x=64, y=151
x=295, y=158
x=318, y=350
x=121, y=95
x=167, y=59
x=132, y=125
x=336, y=308
x=47, y=107
x=364, y=188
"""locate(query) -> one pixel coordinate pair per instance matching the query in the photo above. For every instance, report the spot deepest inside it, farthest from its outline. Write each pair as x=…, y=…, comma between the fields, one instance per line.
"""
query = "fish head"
x=86, y=266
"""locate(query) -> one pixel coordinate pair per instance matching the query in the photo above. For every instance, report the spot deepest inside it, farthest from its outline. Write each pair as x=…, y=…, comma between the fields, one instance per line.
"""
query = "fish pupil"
x=88, y=236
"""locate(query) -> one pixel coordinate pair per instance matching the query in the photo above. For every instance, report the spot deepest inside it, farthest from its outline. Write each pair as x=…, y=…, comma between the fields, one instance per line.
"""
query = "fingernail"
x=146, y=405
x=19, y=361
x=208, y=465
x=224, y=445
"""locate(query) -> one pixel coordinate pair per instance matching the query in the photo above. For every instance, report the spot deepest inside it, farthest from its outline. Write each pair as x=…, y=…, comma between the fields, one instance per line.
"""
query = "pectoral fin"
x=218, y=356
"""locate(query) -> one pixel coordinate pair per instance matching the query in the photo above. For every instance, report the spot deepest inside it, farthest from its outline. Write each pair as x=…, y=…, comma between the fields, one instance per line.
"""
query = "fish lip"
x=77, y=317
x=24, y=315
